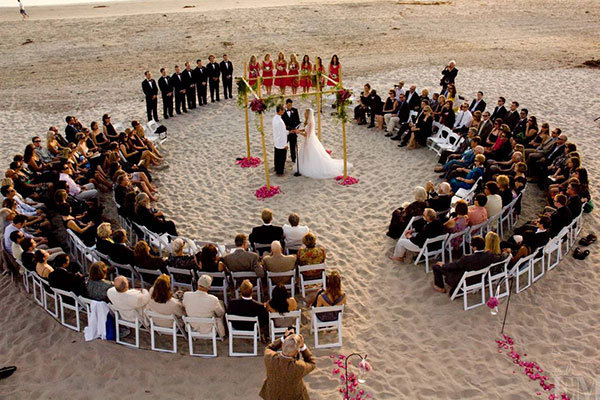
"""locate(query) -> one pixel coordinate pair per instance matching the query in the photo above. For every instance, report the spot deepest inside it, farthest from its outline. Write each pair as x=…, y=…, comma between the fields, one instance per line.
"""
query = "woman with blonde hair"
x=178, y=259
x=492, y=243
x=281, y=66
x=421, y=130
x=104, y=242
x=163, y=302
x=440, y=106
x=294, y=69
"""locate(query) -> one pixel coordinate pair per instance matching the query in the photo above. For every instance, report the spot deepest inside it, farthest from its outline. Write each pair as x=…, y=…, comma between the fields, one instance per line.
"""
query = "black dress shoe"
x=397, y=137
x=166, y=117
x=7, y=371
x=371, y=126
x=388, y=135
x=402, y=144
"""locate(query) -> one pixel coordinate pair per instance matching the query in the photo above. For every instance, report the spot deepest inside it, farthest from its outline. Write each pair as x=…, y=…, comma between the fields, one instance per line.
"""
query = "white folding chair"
x=242, y=334
x=506, y=217
x=135, y=325
x=80, y=252
x=452, y=142
x=193, y=334
x=433, y=247
x=147, y=276
x=181, y=278
x=251, y=275
x=463, y=288
x=575, y=230
x=275, y=316
x=522, y=267
x=497, y=273
x=448, y=242
x=172, y=330
x=465, y=194
x=48, y=293
x=475, y=230
x=260, y=248
x=554, y=247
x=27, y=276
x=291, y=286
x=38, y=289
x=320, y=326
x=218, y=289
x=492, y=224
x=126, y=270
x=75, y=307
x=538, y=260
x=310, y=281
x=293, y=248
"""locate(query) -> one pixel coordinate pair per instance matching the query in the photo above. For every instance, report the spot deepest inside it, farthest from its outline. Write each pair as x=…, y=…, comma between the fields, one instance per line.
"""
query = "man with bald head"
x=284, y=372
x=130, y=302
x=277, y=262
x=413, y=99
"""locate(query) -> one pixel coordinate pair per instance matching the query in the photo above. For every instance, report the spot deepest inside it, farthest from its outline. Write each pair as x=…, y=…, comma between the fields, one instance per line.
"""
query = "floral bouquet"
x=342, y=101
x=258, y=106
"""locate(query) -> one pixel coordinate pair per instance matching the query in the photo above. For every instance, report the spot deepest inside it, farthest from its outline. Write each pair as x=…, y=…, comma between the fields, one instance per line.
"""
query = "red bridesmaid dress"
x=267, y=74
x=322, y=71
x=253, y=73
x=281, y=71
x=293, y=70
x=306, y=81
x=334, y=74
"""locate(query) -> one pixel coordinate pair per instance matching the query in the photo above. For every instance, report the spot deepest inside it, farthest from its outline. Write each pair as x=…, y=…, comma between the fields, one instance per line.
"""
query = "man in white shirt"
x=17, y=225
x=280, y=134
x=293, y=232
x=130, y=302
x=463, y=119
x=80, y=192
x=399, y=90
x=200, y=304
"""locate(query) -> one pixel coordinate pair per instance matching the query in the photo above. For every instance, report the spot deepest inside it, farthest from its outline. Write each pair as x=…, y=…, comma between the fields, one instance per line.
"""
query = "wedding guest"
x=211, y=262
x=163, y=302
x=179, y=88
x=421, y=130
x=401, y=216
x=390, y=109
x=121, y=253
x=200, y=304
x=439, y=199
x=28, y=253
x=294, y=71
x=494, y=201
x=85, y=231
x=166, y=90
x=335, y=70
x=504, y=189
x=131, y=303
x=66, y=280
x=360, y=111
x=333, y=295
x=214, y=71
x=448, y=75
x=305, y=70
x=277, y=262
x=459, y=222
x=281, y=302
x=478, y=104
x=152, y=219
x=97, y=284
x=413, y=98
x=311, y=254
x=241, y=259
x=226, y=76
x=512, y=116
x=399, y=119
x=463, y=119
x=294, y=232
x=246, y=306
x=375, y=107
x=281, y=80
x=472, y=176
x=499, y=111
x=178, y=259
x=201, y=79
x=42, y=268
x=413, y=241
x=151, y=92
x=447, y=116
x=142, y=258
x=267, y=73
x=70, y=130
x=477, y=212
x=104, y=242
x=399, y=89
x=253, y=71
x=266, y=233
x=80, y=192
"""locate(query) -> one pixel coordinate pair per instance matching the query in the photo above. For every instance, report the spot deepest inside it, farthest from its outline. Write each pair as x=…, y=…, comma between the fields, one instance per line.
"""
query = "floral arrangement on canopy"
x=342, y=101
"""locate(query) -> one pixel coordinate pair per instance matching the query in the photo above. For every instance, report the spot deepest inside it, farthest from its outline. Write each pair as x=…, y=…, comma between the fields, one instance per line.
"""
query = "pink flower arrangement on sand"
x=348, y=181
x=355, y=393
x=530, y=368
x=249, y=162
x=258, y=105
x=264, y=193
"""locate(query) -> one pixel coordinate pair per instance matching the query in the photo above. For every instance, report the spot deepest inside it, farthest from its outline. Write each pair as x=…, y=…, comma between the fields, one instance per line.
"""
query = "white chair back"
x=193, y=334
x=71, y=305
x=251, y=275
x=157, y=322
x=433, y=247
x=290, y=286
x=318, y=325
x=305, y=282
x=252, y=334
x=181, y=278
x=464, y=288
x=276, y=328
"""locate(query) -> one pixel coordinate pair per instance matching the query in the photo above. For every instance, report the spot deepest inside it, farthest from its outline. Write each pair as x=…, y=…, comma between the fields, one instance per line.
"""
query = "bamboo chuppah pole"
x=246, y=112
x=344, y=138
x=262, y=136
x=319, y=104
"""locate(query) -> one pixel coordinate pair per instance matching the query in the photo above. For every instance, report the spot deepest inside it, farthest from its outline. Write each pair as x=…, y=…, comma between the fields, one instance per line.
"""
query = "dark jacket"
x=430, y=230
x=226, y=69
x=165, y=85
x=472, y=262
x=291, y=118
x=149, y=90
x=414, y=103
x=560, y=218
x=266, y=234
x=480, y=106
x=248, y=308
x=62, y=279
x=122, y=254
x=499, y=112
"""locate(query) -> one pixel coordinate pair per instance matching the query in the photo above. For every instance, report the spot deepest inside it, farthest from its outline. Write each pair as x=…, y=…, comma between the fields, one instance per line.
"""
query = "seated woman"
x=437, y=110
x=42, y=267
x=469, y=180
x=502, y=148
x=210, y=262
x=458, y=223
x=402, y=215
x=179, y=260
x=477, y=212
x=136, y=143
x=390, y=108
x=564, y=173
x=281, y=302
x=85, y=231
x=360, y=111
x=98, y=137
x=311, y=254
x=127, y=210
x=104, y=242
x=108, y=129
x=163, y=302
x=52, y=149
x=415, y=240
x=333, y=295
x=97, y=284
x=150, y=218
x=505, y=190
x=144, y=259
x=133, y=181
x=421, y=130
x=141, y=134
x=133, y=156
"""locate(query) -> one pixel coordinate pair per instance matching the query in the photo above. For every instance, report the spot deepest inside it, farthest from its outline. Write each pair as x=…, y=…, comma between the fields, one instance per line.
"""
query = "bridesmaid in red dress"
x=267, y=73
x=281, y=71
x=320, y=68
x=294, y=69
x=253, y=71
x=305, y=70
x=334, y=70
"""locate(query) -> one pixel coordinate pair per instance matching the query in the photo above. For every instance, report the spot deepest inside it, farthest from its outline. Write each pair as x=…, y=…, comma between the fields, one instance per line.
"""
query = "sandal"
x=580, y=255
x=7, y=371
x=589, y=239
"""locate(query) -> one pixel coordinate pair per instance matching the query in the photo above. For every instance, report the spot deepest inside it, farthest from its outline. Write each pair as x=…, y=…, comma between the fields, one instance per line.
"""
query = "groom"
x=280, y=137
x=292, y=122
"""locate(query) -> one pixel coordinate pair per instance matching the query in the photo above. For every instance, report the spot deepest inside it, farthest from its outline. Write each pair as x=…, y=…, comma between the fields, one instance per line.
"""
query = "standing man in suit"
x=214, y=71
x=280, y=135
x=151, y=91
x=226, y=76
x=285, y=373
x=166, y=89
x=448, y=75
x=291, y=118
x=201, y=78
x=500, y=110
x=266, y=233
x=190, y=85
x=478, y=104
x=179, y=87
x=512, y=117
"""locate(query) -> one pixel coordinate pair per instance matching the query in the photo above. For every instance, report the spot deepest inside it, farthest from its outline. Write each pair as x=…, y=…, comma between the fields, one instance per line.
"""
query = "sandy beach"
x=86, y=61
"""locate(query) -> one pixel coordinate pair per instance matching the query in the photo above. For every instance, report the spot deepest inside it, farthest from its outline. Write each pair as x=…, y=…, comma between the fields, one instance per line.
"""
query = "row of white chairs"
x=444, y=138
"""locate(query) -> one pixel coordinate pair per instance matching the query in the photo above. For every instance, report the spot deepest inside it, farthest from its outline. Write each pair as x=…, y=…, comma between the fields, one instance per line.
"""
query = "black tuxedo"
x=166, y=89
x=511, y=119
x=214, y=71
x=151, y=91
x=71, y=133
x=574, y=205
x=62, y=279
x=226, y=68
x=414, y=102
x=291, y=119
x=454, y=271
x=248, y=308
x=485, y=127
x=499, y=112
x=560, y=218
x=178, y=81
x=190, y=87
x=479, y=107
x=265, y=234
x=521, y=126
x=201, y=78
x=403, y=111
x=28, y=260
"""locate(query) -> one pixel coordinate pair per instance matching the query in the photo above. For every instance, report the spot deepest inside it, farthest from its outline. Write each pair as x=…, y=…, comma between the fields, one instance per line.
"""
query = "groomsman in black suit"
x=214, y=71
x=291, y=118
x=151, y=91
x=478, y=104
x=166, y=89
x=201, y=78
x=179, y=87
x=500, y=110
x=226, y=76
x=190, y=85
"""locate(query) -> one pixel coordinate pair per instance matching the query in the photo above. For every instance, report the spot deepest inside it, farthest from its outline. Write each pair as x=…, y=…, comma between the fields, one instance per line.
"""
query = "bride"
x=313, y=161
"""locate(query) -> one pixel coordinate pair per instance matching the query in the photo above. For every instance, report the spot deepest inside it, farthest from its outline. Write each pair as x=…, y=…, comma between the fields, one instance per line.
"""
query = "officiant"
x=292, y=123
x=280, y=137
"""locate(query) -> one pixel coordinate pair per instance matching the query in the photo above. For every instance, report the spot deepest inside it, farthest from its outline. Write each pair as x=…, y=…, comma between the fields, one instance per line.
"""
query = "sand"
x=421, y=345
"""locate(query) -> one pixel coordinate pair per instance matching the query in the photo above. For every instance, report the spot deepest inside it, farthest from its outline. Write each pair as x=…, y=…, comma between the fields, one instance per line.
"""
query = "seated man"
x=130, y=302
x=561, y=217
x=277, y=262
x=121, y=252
x=415, y=240
x=455, y=168
x=266, y=233
x=293, y=232
x=17, y=225
x=463, y=119
x=62, y=279
x=203, y=305
x=28, y=254
x=83, y=192
x=241, y=259
x=248, y=307
x=454, y=271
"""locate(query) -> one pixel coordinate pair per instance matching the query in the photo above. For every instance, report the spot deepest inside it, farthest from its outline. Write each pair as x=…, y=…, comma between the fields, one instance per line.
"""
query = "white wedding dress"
x=313, y=161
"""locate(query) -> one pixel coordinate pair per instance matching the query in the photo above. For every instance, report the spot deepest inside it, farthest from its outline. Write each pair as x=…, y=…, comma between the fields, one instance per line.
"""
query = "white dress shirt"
x=294, y=234
x=463, y=119
x=279, y=132
x=74, y=188
x=130, y=303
